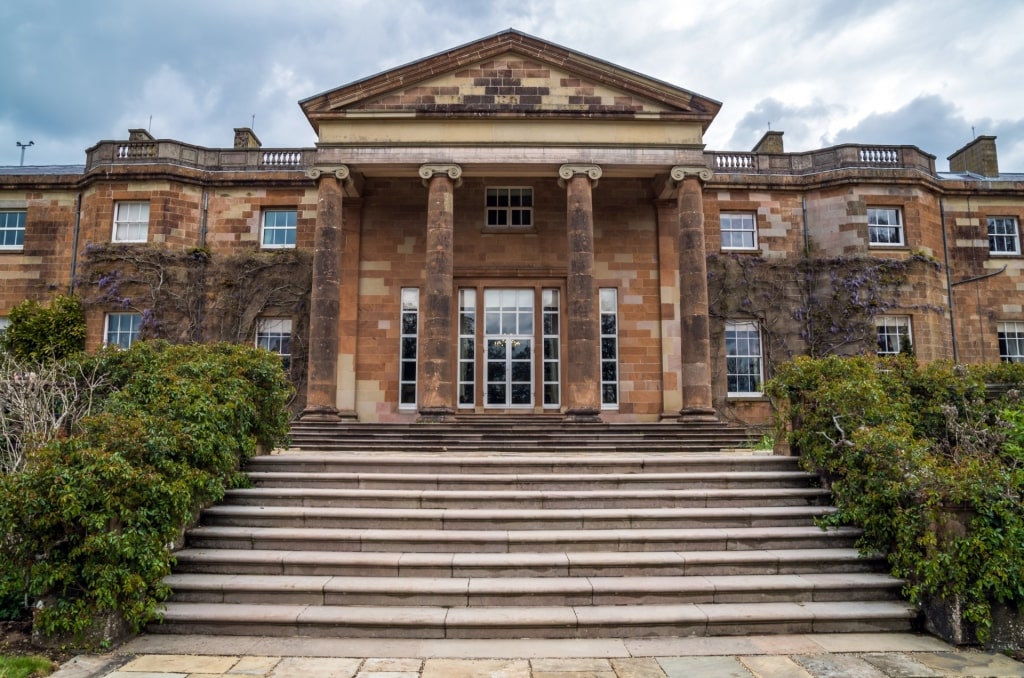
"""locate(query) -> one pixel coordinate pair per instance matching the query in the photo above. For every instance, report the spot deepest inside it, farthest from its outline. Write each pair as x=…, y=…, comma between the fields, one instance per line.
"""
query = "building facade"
x=513, y=227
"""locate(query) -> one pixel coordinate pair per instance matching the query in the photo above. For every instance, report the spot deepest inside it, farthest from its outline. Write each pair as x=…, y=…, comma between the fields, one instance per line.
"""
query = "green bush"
x=926, y=461
x=90, y=519
x=39, y=334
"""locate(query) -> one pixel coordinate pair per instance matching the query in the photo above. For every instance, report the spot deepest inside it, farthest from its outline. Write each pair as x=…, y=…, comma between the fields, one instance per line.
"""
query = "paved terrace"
x=784, y=656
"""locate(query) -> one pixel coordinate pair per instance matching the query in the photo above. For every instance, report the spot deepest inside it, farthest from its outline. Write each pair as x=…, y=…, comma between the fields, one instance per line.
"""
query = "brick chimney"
x=140, y=135
x=771, y=142
x=246, y=138
x=977, y=157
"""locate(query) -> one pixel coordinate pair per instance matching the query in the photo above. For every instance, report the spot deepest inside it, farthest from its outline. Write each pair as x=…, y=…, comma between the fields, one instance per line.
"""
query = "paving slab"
x=145, y=674
x=476, y=668
x=379, y=664
x=878, y=642
x=171, y=663
x=578, y=664
x=899, y=665
x=971, y=664
x=388, y=674
x=704, y=667
x=316, y=667
x=772, y=666
x=645, y=667
x=254, y=666
x=846, y=665
x=87, y=666
x=691, y=647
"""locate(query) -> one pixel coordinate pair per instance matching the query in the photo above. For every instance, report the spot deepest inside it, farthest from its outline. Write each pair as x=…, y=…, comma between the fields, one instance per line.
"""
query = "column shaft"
x=436, y=383
x=583, y=378
x=668, y=276
x=325, y=299
x=693, y=287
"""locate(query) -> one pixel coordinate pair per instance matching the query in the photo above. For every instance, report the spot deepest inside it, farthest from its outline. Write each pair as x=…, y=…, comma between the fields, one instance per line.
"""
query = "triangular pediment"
x=511, y=74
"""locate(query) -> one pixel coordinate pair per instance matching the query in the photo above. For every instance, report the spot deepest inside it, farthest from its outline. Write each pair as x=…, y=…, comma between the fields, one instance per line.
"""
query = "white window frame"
x=467, y=347
x=503, y=217
x=609, y=347
x=738, y=224
x=1007, y=234
x=276, y=228
x=877, y=225
x=890, y=331
x=408, y=347
x=1011, y=341
x=551, y=348
x=12, y=228
x=275, y=335
x=123, y=337
x=743, y=343
x=131, y=221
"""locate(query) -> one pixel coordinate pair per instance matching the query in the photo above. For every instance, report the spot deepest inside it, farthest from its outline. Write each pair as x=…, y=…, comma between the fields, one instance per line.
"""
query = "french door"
x=519, y=345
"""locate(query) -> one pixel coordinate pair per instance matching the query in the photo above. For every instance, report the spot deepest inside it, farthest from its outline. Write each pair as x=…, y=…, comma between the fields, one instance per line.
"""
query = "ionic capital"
x=680, y=172
x=341, y=172
x=566, y=172
x=454, y=173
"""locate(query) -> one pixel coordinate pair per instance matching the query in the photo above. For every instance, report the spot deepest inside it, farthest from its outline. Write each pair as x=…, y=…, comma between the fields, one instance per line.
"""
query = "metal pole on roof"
x=23, y=147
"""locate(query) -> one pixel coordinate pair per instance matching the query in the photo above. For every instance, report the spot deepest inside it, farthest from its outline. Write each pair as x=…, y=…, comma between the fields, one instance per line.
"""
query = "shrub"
x=38, y=334
x=90, y=519
x=926, y=461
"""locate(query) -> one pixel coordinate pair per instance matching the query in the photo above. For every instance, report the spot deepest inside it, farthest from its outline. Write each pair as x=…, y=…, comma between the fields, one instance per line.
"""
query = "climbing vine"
x=809, y=306
x=191, y=295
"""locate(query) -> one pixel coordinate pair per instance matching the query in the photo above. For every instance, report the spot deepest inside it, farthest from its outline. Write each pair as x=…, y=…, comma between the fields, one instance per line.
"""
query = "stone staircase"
x=561, y=532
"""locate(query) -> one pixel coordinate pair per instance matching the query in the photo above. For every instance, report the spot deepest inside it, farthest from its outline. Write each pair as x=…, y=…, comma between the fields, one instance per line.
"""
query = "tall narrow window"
x=1003, y=237
x=550, y=324
x=739, y=231
x=893, y=334
x=510, y=207
x=743, y=358
x=131, y=221
x=122, y=329
x=275, y=335
x=409, y=346
x=279, y=228
x=1011, y=342
x=12, y=229
x=467, y=348
x=885, y=226
x=609, y=348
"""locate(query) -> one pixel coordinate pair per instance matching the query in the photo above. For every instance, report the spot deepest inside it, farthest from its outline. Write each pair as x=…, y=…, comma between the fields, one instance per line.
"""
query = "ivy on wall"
x=192, y=295
x=811, y=306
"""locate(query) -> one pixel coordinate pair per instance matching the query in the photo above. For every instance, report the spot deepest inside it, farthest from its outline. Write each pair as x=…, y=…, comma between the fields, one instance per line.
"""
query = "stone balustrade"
x=822, y=160
x=187, y=155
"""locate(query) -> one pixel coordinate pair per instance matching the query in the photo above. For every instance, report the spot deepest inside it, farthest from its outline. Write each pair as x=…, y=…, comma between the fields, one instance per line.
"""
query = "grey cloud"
x=799, y=123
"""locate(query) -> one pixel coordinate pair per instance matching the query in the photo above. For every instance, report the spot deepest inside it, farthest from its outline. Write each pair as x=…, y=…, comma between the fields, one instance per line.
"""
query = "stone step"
x=681, y=619
x=511, y=519
x=536, y=481
x=528, y=591
x=512, y=541
x=377, y=462
x=526, y=499
x=549, y=564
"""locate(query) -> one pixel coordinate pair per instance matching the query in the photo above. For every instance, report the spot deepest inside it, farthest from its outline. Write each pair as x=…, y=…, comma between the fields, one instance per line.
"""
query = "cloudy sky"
x=931, y=73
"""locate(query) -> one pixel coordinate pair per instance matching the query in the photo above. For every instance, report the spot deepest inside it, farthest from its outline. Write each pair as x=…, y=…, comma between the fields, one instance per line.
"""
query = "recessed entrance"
x=521, y=346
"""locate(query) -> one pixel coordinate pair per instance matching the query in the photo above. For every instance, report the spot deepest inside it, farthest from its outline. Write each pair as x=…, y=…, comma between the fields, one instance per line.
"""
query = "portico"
x=510, y=226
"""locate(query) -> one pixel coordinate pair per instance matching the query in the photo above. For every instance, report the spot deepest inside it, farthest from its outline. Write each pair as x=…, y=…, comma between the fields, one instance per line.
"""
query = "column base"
x=583, y=415
x=698, y=414
x=320, y=413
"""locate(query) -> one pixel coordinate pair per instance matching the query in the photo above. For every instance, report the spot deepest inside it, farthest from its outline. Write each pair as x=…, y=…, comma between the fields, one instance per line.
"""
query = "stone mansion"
x=511, y=227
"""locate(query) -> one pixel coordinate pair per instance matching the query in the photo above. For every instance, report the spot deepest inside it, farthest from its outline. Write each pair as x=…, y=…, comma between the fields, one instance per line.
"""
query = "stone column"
x=436, y=345
x=348, y=316
x=583, y=371
x=693, y=292
x=325, y=298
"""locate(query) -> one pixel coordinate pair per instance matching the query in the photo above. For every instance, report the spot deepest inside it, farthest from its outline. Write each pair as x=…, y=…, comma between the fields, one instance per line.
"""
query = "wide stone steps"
x=526, y=499
x=536, y=434
x=528, y=591
x=471, y=545
x=534, y=564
